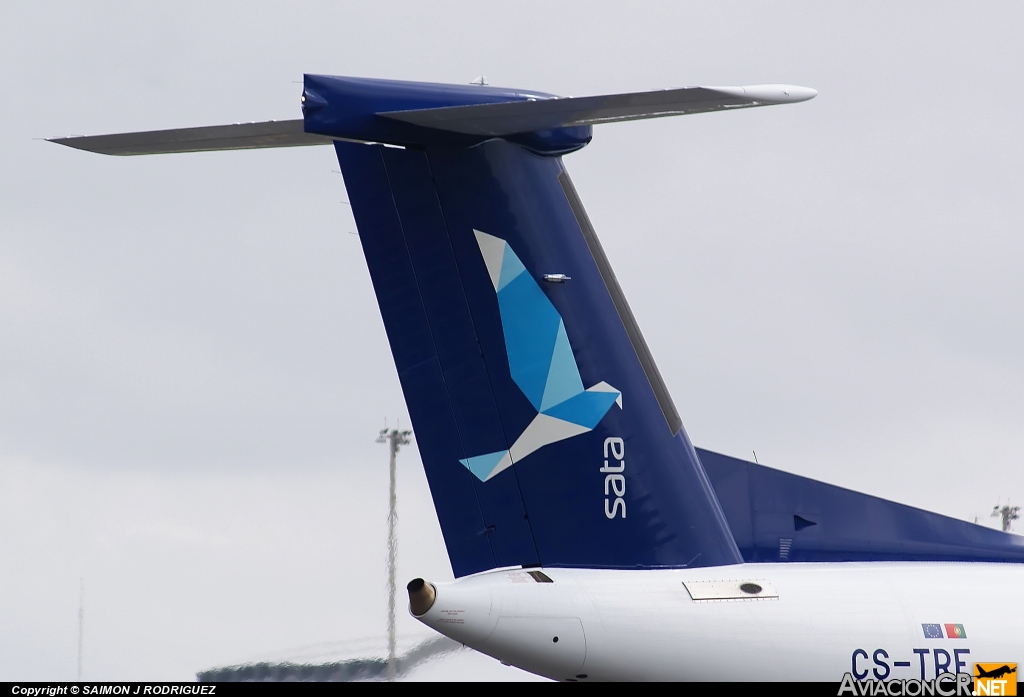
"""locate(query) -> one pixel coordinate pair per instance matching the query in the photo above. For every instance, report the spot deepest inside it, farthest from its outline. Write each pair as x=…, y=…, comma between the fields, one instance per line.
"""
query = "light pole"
x=81, y=617
x=395, y=440
x=1007, y=513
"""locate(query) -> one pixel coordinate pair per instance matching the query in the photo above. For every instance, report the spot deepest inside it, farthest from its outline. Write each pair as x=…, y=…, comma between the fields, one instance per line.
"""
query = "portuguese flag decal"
x=955, y=631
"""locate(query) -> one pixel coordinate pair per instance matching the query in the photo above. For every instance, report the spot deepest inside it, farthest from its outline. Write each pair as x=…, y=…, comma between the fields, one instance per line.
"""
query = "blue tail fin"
x=546, y=432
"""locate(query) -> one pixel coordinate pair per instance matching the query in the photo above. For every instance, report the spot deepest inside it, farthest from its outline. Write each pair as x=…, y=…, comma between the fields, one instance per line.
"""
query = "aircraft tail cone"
x=421, y=596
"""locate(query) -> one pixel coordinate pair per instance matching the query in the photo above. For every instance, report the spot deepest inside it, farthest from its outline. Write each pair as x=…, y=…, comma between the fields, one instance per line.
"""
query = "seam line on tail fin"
x=636, y=338
x=487, y=373
x=433, y=341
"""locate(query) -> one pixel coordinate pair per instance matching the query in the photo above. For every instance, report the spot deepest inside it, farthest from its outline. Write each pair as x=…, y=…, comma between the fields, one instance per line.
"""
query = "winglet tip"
x=770, y=94
x=780, y=94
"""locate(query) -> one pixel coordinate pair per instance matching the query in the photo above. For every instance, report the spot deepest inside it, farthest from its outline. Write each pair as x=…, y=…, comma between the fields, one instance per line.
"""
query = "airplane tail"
x=524, y=370
x=547, y=433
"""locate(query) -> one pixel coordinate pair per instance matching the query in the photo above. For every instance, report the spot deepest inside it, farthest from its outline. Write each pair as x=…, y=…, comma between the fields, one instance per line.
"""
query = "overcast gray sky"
x=193, y=368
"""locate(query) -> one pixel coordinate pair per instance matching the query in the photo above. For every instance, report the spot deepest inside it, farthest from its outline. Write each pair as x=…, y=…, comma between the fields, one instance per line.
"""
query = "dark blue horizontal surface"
x=765, y=507
x=351, y=108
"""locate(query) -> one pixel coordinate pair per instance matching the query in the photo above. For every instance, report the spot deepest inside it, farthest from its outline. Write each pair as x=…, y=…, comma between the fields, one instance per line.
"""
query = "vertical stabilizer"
x=546, y=432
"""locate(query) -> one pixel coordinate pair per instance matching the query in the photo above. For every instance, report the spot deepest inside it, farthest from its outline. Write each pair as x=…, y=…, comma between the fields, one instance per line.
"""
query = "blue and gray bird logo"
x=541, y=361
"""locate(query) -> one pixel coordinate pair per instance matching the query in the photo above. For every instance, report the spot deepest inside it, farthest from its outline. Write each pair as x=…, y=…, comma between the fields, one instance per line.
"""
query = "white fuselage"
x=827, y=619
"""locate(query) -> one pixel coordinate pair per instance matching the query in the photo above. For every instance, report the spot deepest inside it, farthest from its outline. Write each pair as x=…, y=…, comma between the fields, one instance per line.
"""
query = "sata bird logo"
x=541, y=362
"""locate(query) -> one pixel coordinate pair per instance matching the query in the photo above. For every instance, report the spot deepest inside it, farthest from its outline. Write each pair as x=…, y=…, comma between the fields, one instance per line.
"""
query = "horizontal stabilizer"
x=509, y=118
x=777, y=516
x=236, y=136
